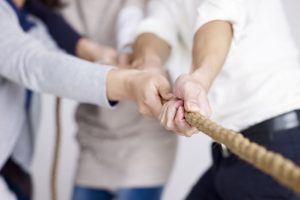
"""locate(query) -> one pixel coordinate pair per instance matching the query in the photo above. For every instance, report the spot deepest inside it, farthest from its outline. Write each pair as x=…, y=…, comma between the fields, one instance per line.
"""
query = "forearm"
x=65, y=36
x=211, y=46
x=148, y=48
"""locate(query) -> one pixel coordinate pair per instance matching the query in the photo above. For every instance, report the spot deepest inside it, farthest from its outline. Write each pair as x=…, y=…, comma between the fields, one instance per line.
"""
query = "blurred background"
x=193, y=153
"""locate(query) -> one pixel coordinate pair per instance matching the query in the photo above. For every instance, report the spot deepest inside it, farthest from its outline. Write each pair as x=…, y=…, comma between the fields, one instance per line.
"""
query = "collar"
x=22, y=16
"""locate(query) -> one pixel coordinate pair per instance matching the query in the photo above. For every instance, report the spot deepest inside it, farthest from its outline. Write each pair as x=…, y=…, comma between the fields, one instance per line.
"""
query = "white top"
x=128, y=20
x=5, y=193
x=260, y=78
x=119, y=148
x=29, y=62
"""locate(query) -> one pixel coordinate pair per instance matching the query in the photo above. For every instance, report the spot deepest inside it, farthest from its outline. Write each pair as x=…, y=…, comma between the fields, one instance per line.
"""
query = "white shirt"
x=261, y=76
x=5, y=193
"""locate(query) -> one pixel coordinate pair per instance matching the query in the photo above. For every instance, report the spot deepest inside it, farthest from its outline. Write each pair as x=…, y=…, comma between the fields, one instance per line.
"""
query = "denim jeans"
x=151, y=193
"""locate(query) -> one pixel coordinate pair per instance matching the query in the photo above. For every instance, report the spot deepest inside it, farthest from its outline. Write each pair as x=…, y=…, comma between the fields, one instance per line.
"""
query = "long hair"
x=52, y=3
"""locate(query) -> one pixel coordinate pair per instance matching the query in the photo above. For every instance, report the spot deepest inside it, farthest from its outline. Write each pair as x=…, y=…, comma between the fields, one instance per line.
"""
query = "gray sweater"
x=25, y=62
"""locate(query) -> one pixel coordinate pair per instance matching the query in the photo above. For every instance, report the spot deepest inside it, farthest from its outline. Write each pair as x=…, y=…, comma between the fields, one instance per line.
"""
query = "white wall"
x=193, y=156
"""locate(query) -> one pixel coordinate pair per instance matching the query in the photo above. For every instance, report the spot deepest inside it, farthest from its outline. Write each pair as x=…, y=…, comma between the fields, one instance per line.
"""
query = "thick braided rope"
x=281, y=169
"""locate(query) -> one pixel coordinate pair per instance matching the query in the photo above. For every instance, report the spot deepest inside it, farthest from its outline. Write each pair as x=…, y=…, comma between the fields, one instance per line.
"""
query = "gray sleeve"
x=25, y=61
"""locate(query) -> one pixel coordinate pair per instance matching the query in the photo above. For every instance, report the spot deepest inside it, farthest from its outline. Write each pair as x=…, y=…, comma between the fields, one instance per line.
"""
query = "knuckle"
x=143, y=110
x=147, y=101
x=169, y=126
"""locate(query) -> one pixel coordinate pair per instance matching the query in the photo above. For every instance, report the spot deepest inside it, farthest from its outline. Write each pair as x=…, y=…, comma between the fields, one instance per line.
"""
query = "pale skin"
x=146, y=88
x=211, y=46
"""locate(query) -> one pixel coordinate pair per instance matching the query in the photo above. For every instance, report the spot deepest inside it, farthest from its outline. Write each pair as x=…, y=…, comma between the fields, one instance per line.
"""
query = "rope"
x=281, y=169
x=55, y=162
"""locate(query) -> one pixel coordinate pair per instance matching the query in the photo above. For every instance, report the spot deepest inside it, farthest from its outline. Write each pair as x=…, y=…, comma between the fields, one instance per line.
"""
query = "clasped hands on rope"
x=185, y=112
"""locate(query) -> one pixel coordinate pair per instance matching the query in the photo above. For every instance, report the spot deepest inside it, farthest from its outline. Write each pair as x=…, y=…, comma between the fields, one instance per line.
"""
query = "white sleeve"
x=128, y=20
x=25, y=61
x=240, y=13
x=160, y=21
x=5, y=193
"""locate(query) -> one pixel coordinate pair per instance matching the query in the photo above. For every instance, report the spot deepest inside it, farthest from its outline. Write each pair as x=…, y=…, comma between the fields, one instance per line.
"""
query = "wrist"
x=202, y=76
x=147, y=60
x=120, y=84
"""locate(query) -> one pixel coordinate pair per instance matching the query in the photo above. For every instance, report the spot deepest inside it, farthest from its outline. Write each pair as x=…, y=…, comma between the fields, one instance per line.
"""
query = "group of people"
x=136, y=67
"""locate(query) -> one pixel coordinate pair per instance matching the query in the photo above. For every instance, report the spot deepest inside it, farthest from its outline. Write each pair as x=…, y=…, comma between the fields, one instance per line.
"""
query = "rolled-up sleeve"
x=160, y=21
x=240, y=13
x=25, y=61
x=129, y=18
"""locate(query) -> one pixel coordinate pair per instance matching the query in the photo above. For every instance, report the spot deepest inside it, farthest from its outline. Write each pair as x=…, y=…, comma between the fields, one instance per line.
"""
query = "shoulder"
x=6, y=13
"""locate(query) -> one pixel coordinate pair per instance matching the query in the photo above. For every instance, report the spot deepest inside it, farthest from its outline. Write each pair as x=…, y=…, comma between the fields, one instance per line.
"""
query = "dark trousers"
x=230, y=178
x=18, y=181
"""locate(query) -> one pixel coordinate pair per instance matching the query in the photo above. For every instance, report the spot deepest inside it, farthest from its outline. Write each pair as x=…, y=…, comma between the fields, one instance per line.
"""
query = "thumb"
x=165, y=91
x=198, y=104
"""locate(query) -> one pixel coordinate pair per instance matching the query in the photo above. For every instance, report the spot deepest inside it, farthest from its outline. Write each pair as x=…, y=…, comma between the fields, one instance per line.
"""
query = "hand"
x=172, y=118
x=150, y=90
x=91, y=51
x=193, y=92
x=192, y=97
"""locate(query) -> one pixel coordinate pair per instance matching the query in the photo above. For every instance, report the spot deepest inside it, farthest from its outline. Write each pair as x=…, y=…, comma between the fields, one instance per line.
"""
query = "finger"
x=182, y=125
x=164, y=90
x=197, y=102
x=171, y=113
x=154, y=104
x=165, y=115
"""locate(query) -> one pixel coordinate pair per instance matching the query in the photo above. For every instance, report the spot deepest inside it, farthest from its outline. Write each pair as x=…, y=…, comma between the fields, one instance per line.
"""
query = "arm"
x=219, y=22
x=24, y=61
x=57, y=26
x=150, y=52
x=67, y=38
x=156, y=35
x=211, y=45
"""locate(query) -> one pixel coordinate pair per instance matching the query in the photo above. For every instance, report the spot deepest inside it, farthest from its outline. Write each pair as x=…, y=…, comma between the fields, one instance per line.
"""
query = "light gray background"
x=193, y=155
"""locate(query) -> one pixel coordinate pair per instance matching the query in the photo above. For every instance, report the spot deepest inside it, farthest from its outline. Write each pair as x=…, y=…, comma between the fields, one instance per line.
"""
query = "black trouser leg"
x=18, y=181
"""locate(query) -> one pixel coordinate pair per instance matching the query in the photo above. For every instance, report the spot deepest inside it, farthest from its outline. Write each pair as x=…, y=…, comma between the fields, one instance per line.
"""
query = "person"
x=122, y=155
x=245, y=67
x=31, y=59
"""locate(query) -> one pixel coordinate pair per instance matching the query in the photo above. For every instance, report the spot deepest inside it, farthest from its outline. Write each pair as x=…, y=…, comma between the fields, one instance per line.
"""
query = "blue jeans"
x=151, y=193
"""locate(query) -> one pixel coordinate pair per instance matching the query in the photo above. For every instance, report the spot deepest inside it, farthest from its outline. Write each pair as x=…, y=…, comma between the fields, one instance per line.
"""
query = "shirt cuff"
x=128, y=21
x=230, y=11
x=104, y=101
